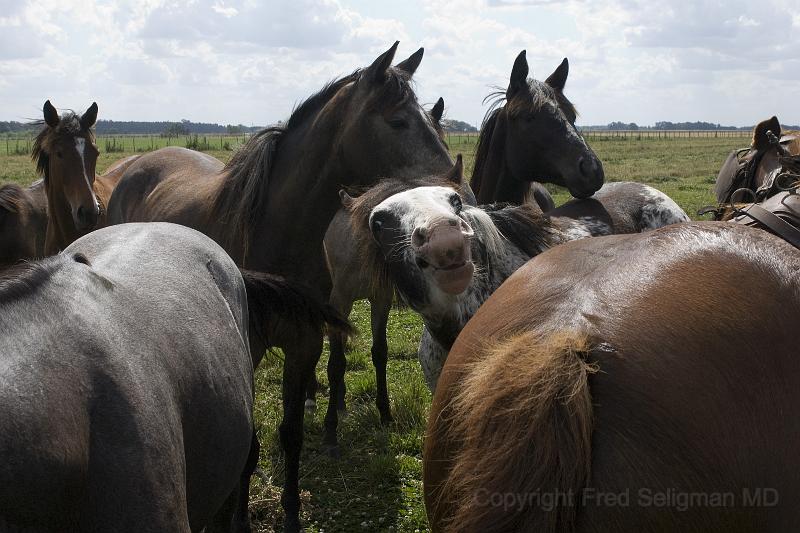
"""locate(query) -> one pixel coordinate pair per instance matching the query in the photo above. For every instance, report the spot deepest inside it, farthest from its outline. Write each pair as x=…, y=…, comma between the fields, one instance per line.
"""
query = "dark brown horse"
x=23, y=222
x=272, y=203
x=66, y=157
x=638, y=382
x=532, y=137
x=757, y=167
x=138, y=420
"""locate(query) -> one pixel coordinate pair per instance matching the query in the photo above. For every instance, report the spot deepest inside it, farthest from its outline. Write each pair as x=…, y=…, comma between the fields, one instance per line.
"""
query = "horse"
x=757, y=167
x=23, y=222
x=638, y=382
x=445, y=257
x=127, y=383
x=66, y=156
x=529, y=135
x=270, y=206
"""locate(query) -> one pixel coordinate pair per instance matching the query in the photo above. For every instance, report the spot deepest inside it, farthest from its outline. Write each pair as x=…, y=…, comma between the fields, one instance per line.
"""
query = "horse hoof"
x=311, y=405
x=387, y=420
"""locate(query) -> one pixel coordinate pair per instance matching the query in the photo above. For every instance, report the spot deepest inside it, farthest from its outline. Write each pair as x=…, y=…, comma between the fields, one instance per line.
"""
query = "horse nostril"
x=589, y=167
x=419, y=237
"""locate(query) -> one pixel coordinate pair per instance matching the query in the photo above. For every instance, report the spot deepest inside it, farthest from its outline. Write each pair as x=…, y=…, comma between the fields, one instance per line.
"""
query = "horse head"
x=383, y=130
x=420, y=234
x=66, y=156
x=536, y=132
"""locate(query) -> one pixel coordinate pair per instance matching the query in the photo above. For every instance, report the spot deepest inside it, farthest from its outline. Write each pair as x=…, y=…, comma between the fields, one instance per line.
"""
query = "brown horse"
x=272, y=203
x=66, y=156
x=23, y=222
x=532, y=137
x=638, y=382
x=757, y=167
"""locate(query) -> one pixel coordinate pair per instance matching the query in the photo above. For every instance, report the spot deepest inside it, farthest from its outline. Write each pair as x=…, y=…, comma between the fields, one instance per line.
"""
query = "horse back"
x=170, y=185
x=149, y=373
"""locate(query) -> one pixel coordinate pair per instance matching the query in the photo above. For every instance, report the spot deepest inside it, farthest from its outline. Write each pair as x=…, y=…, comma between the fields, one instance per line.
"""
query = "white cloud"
x=250, y=61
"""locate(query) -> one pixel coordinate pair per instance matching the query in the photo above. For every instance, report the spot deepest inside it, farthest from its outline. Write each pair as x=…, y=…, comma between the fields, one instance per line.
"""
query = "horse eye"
x=398, y=123
x=377, y=225
x=455, y=201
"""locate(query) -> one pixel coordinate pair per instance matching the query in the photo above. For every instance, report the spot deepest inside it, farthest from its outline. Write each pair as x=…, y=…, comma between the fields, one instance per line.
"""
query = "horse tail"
x=272, y=298
x=523, y=424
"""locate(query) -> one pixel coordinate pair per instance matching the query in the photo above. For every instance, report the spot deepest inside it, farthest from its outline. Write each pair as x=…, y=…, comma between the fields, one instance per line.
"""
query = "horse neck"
x=301, y=202
x=492, y=180
x=61, y=229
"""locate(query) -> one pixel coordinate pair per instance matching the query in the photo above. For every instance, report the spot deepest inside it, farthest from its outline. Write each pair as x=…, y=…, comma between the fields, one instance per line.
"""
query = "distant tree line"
x=457, y=126
x=666, y=126
x=186, y=127
x=121, y=127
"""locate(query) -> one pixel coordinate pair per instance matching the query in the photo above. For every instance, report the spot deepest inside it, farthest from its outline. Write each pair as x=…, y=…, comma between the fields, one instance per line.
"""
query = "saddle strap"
x=774, y=223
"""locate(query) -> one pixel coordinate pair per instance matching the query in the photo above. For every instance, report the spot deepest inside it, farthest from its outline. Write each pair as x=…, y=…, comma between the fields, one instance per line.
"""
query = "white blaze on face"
x=80, y=146
x=417, y=207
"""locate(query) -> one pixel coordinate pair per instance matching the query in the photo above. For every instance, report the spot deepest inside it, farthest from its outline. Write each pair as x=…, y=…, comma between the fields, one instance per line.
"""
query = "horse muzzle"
x=444, y=247
x=590, y=177
x=86, y=218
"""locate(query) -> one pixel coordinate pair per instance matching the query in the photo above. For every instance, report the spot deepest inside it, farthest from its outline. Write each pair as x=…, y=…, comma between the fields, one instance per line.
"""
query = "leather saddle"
x=741, y=165
x=778, y=214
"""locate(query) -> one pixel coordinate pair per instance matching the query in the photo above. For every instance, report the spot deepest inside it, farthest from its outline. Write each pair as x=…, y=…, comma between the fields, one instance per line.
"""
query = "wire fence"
x=456, y=138
x=22, y=144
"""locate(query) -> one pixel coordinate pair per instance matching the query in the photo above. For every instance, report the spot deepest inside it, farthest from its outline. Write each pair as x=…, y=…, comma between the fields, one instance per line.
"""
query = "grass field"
x=376, y=485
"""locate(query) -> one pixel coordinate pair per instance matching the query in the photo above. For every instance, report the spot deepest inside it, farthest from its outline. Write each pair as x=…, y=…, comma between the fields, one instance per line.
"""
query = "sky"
x=243, y=61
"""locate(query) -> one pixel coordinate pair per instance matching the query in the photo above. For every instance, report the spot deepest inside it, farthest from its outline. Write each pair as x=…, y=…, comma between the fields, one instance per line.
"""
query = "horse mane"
x=525, y=226
x=522, y=418
x=482, y=148
x=68, y=126
x=13, y=198
x=23, y=278
x=243, y=195
x=531, y=100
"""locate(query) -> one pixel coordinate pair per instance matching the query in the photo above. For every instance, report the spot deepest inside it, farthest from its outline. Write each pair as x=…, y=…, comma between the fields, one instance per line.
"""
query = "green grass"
x=376, y=484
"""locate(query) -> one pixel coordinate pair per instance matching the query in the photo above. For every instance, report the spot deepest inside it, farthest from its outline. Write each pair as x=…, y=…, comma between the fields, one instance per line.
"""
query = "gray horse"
x=126, y=384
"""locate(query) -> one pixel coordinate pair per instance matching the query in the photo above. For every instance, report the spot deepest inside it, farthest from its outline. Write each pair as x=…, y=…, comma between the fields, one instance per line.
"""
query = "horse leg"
x=242, y=516
x=337, y=365
x=380, y=306
x=311, y=393
x=300, y=360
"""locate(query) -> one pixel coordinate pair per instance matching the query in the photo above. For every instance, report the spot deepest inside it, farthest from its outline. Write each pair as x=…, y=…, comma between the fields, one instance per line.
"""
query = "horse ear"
x=760, y=140
x=519, y=76
x=50, y=115
x=410, y=65
x=456, y=174
x=377, y=70
x=346, y=199
x=90, y=117
x=438, y=110
x=558, y=79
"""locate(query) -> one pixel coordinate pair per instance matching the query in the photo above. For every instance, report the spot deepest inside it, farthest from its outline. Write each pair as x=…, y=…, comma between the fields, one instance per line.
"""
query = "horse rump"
x=272, y=298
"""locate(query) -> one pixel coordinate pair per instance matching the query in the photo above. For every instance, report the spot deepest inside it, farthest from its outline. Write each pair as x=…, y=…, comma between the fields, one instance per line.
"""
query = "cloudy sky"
x=245, y=61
